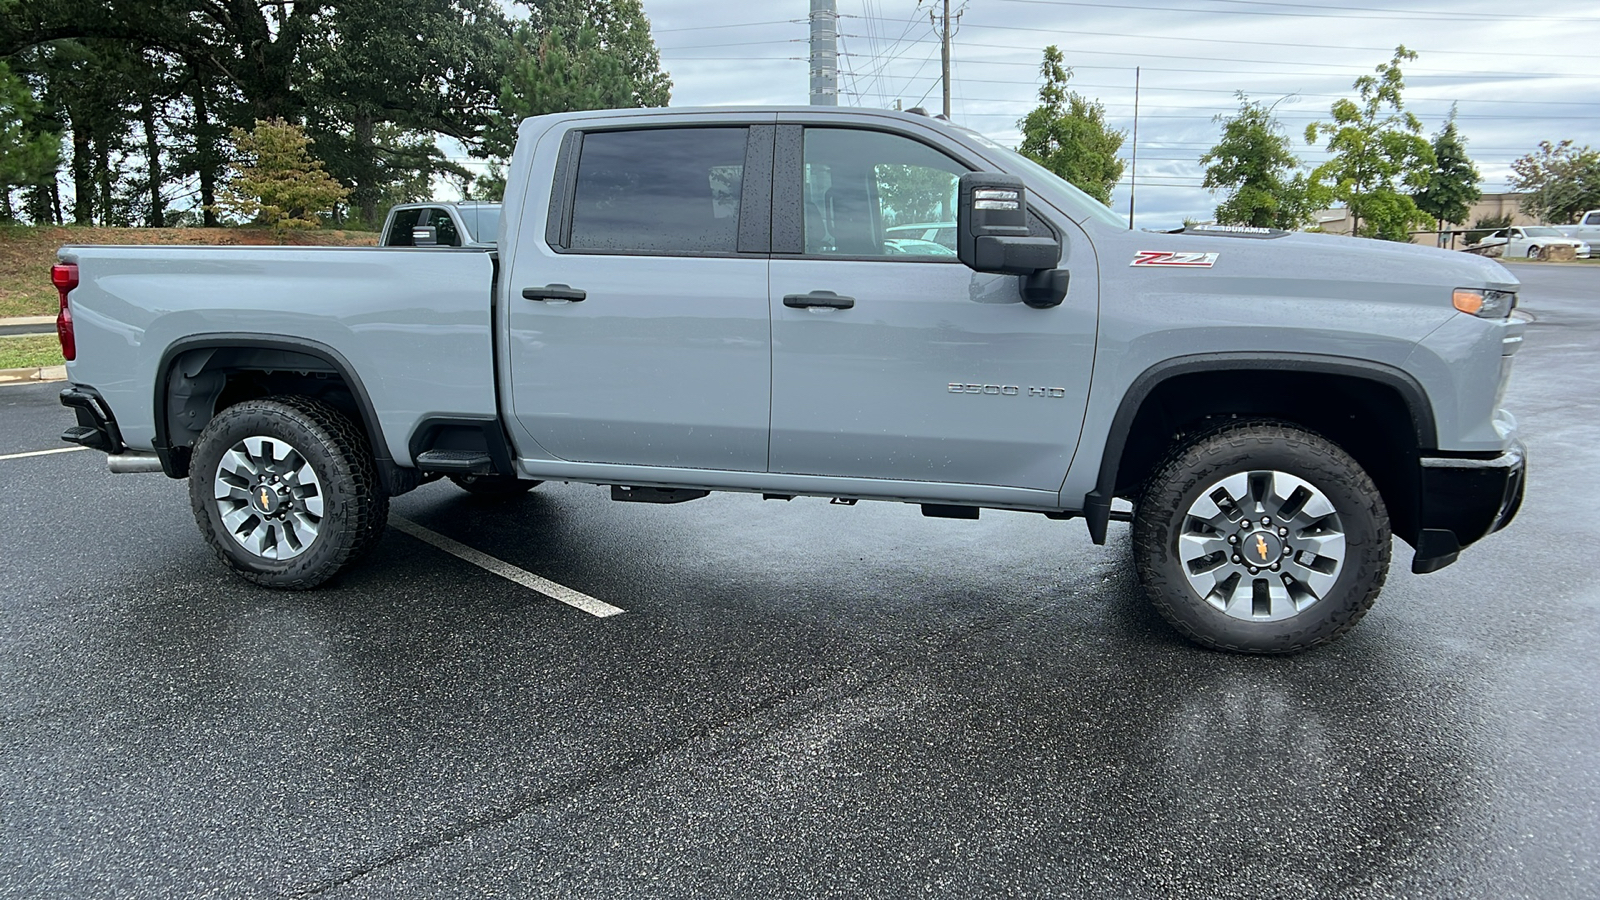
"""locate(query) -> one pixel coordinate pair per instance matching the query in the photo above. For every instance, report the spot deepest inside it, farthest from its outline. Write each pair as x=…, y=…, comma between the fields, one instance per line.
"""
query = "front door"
x=640, y=334
x=930, y=371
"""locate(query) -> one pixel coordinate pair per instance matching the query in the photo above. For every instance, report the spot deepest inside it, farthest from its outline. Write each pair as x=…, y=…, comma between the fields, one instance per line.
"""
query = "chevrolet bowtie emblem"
x=265, y=496
x=1261, y=545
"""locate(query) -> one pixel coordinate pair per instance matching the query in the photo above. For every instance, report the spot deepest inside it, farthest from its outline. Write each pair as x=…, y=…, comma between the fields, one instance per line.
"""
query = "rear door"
x=931, y=372
x=638, y=321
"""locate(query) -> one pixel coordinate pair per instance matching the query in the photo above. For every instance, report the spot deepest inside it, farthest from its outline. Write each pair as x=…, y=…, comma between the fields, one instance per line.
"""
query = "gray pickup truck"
x=685, y=301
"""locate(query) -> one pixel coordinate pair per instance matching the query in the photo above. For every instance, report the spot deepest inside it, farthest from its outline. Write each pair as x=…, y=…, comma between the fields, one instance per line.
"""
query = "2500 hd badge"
x=1005, y=390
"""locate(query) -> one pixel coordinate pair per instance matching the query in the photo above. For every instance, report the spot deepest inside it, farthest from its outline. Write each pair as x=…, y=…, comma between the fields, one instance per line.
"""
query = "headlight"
x=1483, y=303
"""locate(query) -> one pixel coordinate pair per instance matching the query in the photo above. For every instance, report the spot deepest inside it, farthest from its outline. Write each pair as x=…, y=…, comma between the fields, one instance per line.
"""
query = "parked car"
x=696, y=300
x=936, y=232
x=464, y=223
x=1587, y=229
x=1530, y=242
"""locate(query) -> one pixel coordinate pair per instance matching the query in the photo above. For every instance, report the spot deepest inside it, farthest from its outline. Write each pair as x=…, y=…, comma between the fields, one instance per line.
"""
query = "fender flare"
x=1097, y=503
x=176, y=463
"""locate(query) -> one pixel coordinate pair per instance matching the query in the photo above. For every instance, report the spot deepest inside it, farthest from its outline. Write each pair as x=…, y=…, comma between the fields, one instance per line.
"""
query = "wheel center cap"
x=265, y=500
x=1261, y=548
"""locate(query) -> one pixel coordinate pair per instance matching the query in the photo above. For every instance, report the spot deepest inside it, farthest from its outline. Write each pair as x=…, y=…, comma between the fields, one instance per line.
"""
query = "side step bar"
x=456, y=462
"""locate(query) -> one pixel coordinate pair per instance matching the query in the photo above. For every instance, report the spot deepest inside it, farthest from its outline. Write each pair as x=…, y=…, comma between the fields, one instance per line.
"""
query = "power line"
x=1346, y=67
x=1159, y=37
x=1409, y=99
x=1423, y=13
x=1430, y=16
x=735, y=25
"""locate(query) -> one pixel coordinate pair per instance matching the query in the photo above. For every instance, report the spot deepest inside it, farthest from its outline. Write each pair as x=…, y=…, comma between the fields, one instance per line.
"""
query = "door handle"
x=824, y=299
x=554, y=292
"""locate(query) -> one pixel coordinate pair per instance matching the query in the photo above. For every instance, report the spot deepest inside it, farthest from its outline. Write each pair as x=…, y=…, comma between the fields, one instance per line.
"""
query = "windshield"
x=1542, y=232
x=483, y=222
x=1066, y=194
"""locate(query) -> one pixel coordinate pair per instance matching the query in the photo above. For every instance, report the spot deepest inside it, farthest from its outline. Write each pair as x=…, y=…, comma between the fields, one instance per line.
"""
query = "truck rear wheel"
x=285, y=491
x=1260, y=537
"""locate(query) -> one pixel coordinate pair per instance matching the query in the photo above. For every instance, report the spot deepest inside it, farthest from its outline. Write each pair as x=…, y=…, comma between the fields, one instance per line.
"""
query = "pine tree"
x=1453, y=186
x=276, y=182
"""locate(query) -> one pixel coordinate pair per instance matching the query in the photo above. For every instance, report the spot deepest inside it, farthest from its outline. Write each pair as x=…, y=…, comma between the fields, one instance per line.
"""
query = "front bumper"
x=1464, y=500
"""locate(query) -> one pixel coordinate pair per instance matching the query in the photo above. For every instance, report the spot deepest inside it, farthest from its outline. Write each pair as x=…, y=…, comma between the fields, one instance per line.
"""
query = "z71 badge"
x=1174, y=259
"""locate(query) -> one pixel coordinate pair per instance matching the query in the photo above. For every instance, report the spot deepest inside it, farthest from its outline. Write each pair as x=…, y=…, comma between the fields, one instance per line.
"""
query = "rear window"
x=482, y=222
x=669, y=191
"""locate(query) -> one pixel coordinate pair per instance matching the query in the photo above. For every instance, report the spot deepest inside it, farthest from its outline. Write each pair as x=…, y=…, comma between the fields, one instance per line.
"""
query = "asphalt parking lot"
x=797, y=700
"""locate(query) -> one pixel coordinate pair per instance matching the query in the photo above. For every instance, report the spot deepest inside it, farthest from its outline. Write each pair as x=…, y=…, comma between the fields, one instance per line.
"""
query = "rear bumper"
x=1464, y=500
x=97, y=427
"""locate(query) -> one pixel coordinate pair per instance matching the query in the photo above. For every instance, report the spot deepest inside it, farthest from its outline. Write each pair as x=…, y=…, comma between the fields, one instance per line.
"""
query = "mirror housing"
x=992, y=227
x=424, y=236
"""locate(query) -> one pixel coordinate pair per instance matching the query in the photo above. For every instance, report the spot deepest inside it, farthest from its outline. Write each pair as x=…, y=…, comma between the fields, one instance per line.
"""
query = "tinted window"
x=662, y=191
x=482, y=222
x=444, y=227
x=862, y=188
x=400, y=229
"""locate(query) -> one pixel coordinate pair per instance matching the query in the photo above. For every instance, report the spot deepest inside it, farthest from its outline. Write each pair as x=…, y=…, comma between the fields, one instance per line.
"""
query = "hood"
x=1364, y=259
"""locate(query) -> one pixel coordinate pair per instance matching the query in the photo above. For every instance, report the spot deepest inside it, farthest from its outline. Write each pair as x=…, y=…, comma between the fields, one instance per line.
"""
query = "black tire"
x=354, y=508
x=1163, y=513
x=1533, y=253
x=494, y=486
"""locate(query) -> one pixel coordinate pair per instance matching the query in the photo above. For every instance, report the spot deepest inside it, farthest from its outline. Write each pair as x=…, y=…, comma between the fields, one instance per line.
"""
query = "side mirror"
x=992, y=236
x=424, y=236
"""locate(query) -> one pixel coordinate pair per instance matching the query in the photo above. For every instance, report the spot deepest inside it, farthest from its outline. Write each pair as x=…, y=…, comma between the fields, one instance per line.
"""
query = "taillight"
x=65, y=277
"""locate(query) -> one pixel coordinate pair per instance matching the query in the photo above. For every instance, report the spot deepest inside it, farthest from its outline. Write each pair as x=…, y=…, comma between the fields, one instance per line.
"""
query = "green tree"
x=1067, y=133
x=377, y=95
x=1562, y=181
x=1453, y=185
x=1262, y=176
x=1379, y=156
x=578, y=54
x=276, y=182
x=28, y=154
x=1486, y=224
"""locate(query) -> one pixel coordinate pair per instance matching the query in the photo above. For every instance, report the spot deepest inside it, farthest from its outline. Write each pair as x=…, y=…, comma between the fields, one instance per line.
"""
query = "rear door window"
x=662, y=191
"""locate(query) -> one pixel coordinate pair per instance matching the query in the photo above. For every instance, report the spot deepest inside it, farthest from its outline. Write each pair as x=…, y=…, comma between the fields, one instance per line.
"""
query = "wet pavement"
x=800, y=700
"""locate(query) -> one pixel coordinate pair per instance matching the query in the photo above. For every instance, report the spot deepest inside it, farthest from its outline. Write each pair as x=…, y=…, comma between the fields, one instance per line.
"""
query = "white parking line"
x=42, y=453
x=506, y=570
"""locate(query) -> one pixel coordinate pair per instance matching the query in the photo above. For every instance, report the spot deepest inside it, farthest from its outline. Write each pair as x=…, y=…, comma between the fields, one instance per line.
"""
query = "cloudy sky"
x=1519, y=72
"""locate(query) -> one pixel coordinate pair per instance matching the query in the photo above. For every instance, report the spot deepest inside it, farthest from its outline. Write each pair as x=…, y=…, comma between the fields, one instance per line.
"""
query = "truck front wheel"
x=285, y=491
x=1259, y=537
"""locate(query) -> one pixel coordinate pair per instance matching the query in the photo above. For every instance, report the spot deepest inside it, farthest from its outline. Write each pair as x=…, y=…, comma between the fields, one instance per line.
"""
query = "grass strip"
x=30, y=351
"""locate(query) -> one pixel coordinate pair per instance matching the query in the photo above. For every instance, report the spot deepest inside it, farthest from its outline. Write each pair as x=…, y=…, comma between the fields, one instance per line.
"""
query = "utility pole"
x=944, y=48
x=824, y=53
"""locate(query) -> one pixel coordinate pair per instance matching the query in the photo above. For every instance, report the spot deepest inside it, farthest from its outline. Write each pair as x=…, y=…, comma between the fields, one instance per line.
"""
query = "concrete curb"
x=27, y=326
x=32, y=375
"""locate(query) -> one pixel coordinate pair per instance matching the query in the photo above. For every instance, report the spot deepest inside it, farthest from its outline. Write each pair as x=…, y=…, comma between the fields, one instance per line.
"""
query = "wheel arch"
x=1145, y=424
x=200, y=375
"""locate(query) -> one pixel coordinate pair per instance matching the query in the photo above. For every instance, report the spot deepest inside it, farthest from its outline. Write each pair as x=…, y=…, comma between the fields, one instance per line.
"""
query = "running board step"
x=456, y=462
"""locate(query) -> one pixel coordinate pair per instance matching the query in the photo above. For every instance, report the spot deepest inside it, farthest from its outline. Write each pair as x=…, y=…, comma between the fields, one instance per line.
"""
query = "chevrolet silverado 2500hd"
x=685, y=301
